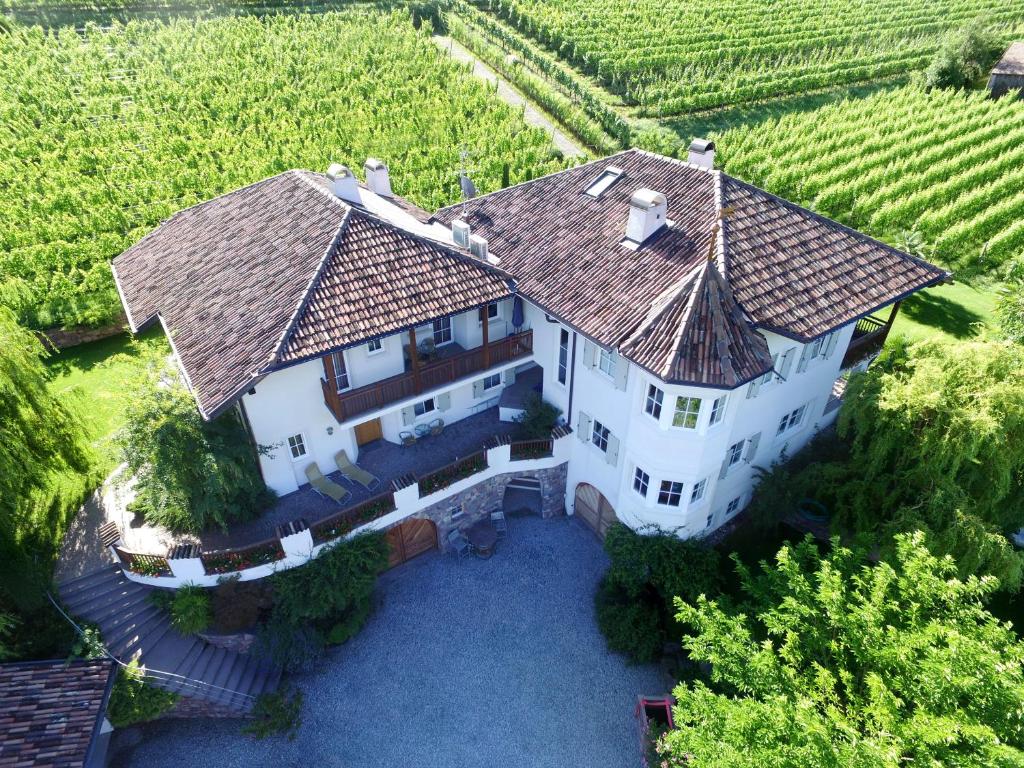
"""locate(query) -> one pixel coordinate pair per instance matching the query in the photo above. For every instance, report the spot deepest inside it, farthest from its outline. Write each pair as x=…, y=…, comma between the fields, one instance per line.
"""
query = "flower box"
x=446, y=476
x=230, y=561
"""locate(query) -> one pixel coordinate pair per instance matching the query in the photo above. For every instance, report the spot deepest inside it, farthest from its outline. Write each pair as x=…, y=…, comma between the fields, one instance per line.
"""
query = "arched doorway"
x=411, y=538
x=593, y=508
x=523, y=496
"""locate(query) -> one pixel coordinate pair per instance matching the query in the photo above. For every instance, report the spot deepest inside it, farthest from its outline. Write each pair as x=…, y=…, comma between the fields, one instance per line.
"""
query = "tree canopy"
x=832, y=661
x=191, y=474
x=1009, y=308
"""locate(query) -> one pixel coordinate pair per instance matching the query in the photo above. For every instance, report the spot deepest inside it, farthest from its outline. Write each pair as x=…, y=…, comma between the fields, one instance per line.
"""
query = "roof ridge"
x=661, y=304
x=700, y=277
x=720, y=255
x=275, y=353
x=300, y=174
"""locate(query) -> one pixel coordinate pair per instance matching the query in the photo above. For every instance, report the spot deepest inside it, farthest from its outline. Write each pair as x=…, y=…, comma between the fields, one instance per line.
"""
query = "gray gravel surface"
x=472, y=663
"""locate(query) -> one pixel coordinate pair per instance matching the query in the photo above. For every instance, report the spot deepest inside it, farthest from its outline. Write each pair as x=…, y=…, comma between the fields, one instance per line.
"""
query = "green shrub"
x=133, y=700
x=538, y=418
x=278, y=713
x=648, y=570
x=294, y=649
x=190, y=610
x=964, y=56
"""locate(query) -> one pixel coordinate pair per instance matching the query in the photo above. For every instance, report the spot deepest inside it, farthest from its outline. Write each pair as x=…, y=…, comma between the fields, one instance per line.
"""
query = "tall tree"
x=1009, y=309
x=831, y=661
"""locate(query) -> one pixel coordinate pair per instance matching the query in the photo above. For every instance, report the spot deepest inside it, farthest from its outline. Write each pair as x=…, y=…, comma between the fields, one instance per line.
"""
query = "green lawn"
x=101, y=376
x=957, y=311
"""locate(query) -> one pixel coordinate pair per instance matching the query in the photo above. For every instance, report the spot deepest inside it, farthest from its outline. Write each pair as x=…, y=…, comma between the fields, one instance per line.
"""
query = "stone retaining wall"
x=62, y=338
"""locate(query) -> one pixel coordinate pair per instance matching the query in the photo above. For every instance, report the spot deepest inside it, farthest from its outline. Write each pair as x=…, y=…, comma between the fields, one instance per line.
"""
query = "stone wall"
x=462, y=510
x=187, y=706
x=63, y=338
x=239, y=642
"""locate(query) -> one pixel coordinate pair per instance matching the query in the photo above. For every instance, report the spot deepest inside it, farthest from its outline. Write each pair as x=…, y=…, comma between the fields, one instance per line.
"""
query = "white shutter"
x=830, y=346
x=752, y=443
x=753, y=388
x=589, y=353
x=787, y=362
x=583, y=427
x=510, y=376
x=612, y=454
x=408, y=416
x=725, y=467
x=805, y=355
x=621, y=371
x=444, y=401
x=478, y=389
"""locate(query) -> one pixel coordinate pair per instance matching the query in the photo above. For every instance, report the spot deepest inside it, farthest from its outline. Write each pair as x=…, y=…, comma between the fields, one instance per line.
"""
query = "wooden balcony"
x=868, y=338
x=425, y=377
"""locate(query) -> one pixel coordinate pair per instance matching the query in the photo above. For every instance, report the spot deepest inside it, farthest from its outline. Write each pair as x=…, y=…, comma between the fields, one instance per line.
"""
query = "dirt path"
x=565, y=144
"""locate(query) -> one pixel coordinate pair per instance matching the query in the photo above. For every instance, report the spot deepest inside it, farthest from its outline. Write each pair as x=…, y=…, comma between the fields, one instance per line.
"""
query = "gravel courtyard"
x=464, y=664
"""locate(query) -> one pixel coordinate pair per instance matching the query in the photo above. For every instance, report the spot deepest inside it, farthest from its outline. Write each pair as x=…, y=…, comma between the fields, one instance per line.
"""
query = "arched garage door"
x=593, y=508
x=411, y=538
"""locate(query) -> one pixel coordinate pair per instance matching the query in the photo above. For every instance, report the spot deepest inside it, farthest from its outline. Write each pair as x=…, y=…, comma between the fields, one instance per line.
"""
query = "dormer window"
x=600, y=185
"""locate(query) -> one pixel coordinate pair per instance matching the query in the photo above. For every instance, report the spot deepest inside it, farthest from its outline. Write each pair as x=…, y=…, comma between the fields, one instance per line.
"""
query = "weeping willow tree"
x=936, y=441
x=45, y=463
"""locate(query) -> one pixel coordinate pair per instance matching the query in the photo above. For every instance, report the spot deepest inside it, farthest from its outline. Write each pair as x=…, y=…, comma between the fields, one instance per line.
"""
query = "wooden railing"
x=869, y=336
x=460, y=469
x=142, y=564
x=231, y=560
x=346, y=405
x=520, y=450
x=347, y=520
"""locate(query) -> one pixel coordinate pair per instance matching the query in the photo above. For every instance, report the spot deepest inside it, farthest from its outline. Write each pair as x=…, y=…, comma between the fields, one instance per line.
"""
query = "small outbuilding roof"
x=51, y=711
x=1012, y=62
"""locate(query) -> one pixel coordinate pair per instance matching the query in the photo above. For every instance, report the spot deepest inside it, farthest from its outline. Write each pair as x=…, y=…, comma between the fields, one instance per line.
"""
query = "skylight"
x=599, y=185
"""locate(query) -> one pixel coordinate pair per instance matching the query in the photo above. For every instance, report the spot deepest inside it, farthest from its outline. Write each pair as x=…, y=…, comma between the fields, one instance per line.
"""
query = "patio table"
x=422, y=430
x=483, y=536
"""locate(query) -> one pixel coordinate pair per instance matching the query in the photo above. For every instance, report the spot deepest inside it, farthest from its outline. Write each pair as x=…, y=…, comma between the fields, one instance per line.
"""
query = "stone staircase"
x=133, y=628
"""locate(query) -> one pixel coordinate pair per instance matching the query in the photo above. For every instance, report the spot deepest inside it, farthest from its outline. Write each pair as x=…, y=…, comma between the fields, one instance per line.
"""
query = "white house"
x=689, y=326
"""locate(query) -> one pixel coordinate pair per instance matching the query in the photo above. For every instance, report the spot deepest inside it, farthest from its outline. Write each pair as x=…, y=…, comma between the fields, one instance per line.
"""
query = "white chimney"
x=478, y=247
x=377, y=178
x=648, y=211
x=460, y=233
x=343, y=183
x=702, y=153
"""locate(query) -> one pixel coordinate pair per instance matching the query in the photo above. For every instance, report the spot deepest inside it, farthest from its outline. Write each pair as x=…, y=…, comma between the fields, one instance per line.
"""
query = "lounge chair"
x=459, y=544
x=436, y=426
x=323, y=486
x=354, y=472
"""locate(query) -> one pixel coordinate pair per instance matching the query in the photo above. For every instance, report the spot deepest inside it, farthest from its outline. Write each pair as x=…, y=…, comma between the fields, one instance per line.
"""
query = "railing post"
x=414, y=361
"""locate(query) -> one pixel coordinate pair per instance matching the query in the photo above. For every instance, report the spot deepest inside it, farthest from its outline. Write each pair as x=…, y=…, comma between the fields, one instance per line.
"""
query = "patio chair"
x=354, y=472
x=323, y=486
x=460, y=544
x=436, y=426
x=498, y=521
x=407, y=438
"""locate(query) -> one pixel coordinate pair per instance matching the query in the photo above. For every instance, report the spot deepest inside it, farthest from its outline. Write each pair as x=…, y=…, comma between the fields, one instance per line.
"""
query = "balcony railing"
x=869, y=336
x=346, y=405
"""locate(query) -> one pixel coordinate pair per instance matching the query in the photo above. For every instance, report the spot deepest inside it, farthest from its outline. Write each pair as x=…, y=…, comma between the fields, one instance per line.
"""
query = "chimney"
x=478, y=247
x=647, y=214
x=377, y=178
x=460, y=233
x=343, y=183
x=702, y=153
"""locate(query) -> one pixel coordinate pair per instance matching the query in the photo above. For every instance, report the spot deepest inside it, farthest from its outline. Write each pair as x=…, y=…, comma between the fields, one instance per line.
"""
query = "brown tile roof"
x=282, y=270
x=1012, y=62
x=50, y=711
x=699, y=335
x=789, y=270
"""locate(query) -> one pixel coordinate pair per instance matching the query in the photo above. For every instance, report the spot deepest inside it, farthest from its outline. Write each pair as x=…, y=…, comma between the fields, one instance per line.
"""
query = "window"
x=698, y=491
x=456, y=511
x=791, y=420
x=824, y=343
x=297, y=446
x=563, y=355
x=733, y=506
x=340, y=372
x=670, y=494
x=373, y=346
x=608, y=177
x=606, y=362
x=491, y=311
x=599, y=436
x=767, y=378
x=640, y=481
x=710, y=518
x=718, y=410
x=442, y=331
x=687, y=411
x=424, y=407
x=492, y=381
x=734, y=454
x=652, y=405
x=815, y=348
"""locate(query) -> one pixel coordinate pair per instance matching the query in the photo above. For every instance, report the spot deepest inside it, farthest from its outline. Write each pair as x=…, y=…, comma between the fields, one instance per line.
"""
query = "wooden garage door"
x=593, y=509
x=411, y=538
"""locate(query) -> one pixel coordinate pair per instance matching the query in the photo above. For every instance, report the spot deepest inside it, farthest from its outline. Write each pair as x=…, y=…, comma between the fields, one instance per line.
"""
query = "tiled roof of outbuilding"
x=50, y=711
x=282, y=270
x=1012, y=62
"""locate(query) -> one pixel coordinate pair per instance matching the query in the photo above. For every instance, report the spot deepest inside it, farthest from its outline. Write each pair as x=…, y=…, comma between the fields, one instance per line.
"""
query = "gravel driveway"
x=472, y=663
